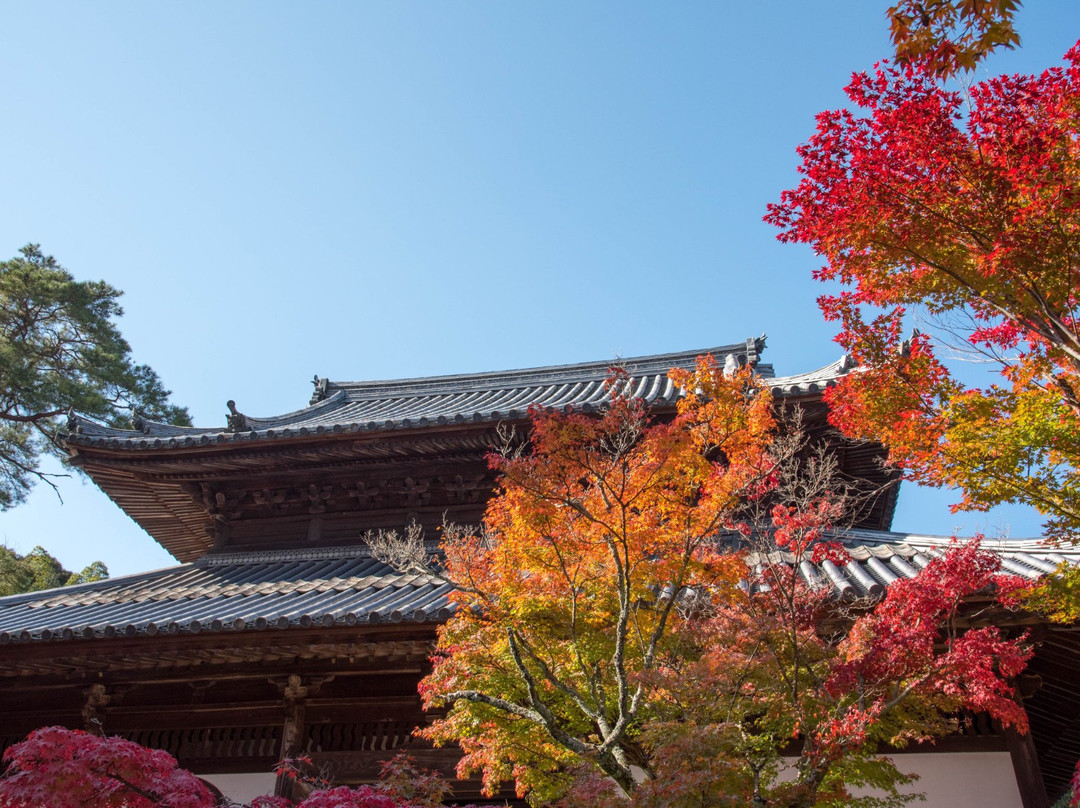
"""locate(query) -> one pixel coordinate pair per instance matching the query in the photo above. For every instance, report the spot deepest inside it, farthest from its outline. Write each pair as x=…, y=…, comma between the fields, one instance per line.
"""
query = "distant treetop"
x=39, y=570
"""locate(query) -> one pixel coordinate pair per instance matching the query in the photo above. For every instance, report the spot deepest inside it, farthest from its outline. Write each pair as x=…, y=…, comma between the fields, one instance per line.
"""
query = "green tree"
x=61, y=352
x=14, y=577
x=39, y=570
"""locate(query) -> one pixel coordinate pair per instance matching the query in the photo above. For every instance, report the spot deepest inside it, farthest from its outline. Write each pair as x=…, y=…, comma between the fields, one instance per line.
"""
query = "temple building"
x=279, y=634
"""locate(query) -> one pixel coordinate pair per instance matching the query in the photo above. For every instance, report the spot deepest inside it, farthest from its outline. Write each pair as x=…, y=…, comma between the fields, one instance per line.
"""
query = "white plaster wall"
x=242, y=788
x=949, y=780
x=962, y=779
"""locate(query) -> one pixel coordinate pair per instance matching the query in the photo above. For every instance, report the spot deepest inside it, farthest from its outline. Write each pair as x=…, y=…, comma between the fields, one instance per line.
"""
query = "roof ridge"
x=277, y=556
x=990, y=543
x=476, y=398
x=568, y=372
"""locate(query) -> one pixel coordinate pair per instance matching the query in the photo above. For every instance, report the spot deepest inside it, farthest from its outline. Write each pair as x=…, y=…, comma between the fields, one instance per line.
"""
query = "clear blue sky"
x=384, y=189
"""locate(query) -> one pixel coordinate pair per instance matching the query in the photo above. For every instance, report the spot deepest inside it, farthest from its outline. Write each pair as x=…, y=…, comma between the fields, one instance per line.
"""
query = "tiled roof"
x=235, y=592
x=878, y=558
x=345, y=586
x=471, y=398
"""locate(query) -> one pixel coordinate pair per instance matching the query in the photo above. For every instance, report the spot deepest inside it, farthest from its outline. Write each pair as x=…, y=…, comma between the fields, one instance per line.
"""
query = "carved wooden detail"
x=220, y=504
x=319, y=497
x=415, y=492
x=233, y=503
x=466, y=488
x=367, y=495
x=293, y=695
x=93, y=711
x=271, y=500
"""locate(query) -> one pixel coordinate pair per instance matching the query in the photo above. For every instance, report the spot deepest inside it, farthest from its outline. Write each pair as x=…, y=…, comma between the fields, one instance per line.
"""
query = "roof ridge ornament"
x=236, y=420
x=750, y=358
x=138, y=423
x=321, y=383
x=754, y=347
x=904, y=349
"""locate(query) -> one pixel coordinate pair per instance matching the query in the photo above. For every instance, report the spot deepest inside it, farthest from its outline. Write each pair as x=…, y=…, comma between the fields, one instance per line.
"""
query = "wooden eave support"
x=381, y=643
x=1026, y=766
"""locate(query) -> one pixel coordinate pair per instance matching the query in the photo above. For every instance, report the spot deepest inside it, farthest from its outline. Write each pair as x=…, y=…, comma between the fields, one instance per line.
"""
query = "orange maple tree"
x=969, y=215
x=567, y=596
x=633, y=626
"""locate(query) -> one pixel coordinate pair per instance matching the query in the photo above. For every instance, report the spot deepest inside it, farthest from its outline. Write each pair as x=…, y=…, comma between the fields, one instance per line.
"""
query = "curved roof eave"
x=350, y=407
x=346, y=586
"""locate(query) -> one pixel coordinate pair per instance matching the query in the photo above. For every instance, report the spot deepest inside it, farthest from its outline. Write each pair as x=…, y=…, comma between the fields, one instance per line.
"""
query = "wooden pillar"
x=1025, y=760
x=1026, y=765
x=292, y=731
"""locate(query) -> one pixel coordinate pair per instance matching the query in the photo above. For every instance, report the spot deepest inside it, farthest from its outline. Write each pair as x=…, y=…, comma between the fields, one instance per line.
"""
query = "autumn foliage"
x=567, y=598
x=966, y=214
x=612, y=647
x=644, y=621
x=62, y=768
x=768, y=680
x=949, y=36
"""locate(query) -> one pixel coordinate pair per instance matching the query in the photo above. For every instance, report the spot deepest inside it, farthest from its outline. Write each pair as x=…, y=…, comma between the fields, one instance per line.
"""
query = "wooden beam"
x=362, y=641
x=1026, y=766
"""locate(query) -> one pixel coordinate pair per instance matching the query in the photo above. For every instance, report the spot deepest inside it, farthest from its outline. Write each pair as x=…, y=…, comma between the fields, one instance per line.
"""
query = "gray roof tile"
x=468, y=398
x=233, y=592
x=345, y=586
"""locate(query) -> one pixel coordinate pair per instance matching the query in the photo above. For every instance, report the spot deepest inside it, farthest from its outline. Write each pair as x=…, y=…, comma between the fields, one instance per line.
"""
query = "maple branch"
x=152, y=796
x=1054, y=330
x=595, y=690
x=1016, y=483
x=664, y=613
x=903, y=694
x=511, y=708
x=519, y=641
x=607, y=754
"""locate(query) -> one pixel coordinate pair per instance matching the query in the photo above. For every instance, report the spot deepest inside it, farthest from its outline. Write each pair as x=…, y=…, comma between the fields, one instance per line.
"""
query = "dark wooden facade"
x=224, y=704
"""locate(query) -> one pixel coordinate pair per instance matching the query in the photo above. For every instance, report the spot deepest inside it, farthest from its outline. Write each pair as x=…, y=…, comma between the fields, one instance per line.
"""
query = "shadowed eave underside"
x=190, y=486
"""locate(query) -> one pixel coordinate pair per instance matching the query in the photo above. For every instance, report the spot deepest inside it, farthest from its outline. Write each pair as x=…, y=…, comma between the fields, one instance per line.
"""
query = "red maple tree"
x=64, y=768
x=968, y=214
